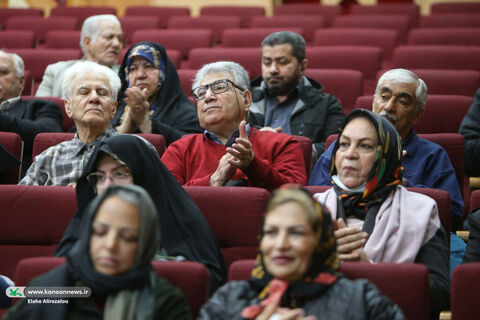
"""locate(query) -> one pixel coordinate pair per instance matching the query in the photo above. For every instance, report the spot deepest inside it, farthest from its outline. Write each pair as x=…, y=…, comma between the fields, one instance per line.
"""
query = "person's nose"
x=209, y=95
x=390, y=105
x=273, y=68
x=116, y=42
x=111, y=240
x=141, y=72
x=351, y=152
x=93, y=98
x=282, y=242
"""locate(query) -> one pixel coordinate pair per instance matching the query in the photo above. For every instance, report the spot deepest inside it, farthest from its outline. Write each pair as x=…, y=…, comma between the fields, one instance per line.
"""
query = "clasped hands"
x=238, y=156
x=137, y=113
x=350, y=242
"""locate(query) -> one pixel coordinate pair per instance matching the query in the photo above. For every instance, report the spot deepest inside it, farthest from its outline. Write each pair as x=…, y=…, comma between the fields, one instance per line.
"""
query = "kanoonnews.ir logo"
x=15, y=292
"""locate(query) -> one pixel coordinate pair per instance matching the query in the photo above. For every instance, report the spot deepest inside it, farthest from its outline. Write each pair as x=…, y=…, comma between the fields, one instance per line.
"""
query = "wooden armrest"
x=474, y=183
x=445, y=315
x=464, y=234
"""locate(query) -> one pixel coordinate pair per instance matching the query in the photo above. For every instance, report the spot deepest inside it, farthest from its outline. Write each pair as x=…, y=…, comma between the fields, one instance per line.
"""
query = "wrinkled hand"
x=127, y=125
x=224, y=172
x=277, y=130
x=350, y=242
x=137, y=100
x=241, y=150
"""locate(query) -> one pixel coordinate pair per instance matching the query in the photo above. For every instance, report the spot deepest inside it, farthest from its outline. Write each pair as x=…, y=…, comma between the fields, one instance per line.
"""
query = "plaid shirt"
x=62, y=164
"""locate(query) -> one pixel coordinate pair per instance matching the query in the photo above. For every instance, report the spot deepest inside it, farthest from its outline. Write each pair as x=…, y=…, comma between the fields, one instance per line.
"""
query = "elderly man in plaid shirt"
x=90, y=93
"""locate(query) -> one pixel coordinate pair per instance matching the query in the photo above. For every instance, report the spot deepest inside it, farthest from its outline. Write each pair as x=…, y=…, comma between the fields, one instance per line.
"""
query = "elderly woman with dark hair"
x=151, y=97
x=377, y=219
x=295, y=276
x=118, y=239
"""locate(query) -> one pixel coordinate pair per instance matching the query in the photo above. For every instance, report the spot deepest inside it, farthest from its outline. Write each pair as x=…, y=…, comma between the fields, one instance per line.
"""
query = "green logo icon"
x=15, y=293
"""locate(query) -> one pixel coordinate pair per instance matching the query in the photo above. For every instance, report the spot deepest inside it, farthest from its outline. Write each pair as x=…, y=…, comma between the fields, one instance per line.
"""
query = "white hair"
x=85, y=67
x=91, y=27
x=240, y=76
x=406, y=76
x=17, y=63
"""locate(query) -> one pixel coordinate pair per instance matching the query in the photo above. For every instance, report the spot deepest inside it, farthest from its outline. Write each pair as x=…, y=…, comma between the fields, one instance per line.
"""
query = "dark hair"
x=287, y=37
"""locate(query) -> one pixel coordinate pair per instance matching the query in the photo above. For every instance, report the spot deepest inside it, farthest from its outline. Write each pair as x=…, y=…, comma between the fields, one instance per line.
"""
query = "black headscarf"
x=385, y=175
x=184, y=230
x=173, y=113
x=321, y=273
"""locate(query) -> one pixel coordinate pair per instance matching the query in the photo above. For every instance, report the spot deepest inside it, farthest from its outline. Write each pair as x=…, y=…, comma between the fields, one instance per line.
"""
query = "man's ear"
x=303, y=65
x=247, y=96
x=114, y=109
x=68, y=107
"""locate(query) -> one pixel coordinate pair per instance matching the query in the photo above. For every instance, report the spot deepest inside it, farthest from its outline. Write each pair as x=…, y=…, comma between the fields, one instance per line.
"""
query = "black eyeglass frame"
x=210, y=85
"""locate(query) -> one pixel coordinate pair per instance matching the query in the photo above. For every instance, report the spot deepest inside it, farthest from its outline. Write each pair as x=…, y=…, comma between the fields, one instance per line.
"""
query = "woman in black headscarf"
x=185, y=232
x=151, y=99
x=118, y=239
x=295, y=276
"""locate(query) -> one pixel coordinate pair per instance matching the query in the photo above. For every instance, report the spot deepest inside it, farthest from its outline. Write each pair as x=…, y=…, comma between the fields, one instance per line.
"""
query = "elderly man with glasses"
x=230, y=152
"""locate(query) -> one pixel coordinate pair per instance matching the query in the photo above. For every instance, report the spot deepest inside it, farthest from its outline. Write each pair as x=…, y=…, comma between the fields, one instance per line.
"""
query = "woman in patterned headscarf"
x=295, y=276
x=378, y=220
x=151, y=99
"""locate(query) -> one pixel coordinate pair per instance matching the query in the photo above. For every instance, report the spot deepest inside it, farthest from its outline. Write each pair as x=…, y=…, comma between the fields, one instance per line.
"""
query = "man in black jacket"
x=284, y=100
x=27, y=118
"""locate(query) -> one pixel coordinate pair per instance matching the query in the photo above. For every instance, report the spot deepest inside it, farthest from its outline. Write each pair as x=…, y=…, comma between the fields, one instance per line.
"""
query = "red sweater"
x=278, y=160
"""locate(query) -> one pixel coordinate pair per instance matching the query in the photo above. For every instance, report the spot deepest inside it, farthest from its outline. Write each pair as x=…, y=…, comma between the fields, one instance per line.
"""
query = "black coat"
x=470, y=129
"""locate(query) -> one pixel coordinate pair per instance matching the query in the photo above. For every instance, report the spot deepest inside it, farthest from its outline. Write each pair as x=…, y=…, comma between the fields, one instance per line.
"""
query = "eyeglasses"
x=217, y=87
x=118, y=176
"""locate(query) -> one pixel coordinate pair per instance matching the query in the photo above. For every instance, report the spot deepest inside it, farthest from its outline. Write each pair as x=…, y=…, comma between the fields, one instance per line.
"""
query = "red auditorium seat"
x=243, y=12
x=215, y=23
x=327, y=12
x=235, y=215
x=81, y=13
x=346, y=85
x=320, y=189
x=130, y=24
x=444, y=36
x=465, y=288
x=6, y=13
x=455, y=7
x=67, y=121
x=450, y=20
x=28, y=88
x=249, y=58
x=59, y=39
x=307, y=149
x=41, y=25
x=45, y=140
x=384, y=39
x=404, y=283
x=182, y=40
x=399, y=23
x=13, y=143
x=190, y=277
x=437, y=57
x=186, y=80
x=410, y=9
x=308, y=23
x=249, y=37
x=163, y=13
x=37, y=218
x=12, y=39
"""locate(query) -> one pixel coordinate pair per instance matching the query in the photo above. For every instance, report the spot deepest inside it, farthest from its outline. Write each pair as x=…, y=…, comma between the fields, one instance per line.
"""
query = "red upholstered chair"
x=444, y=36
x=245, y=13
x=190, y=277
x=465, y=288
x=67, y=121
x=450, y=20
x=41, y=25
x=331, y=139
x=306, y=144
x=235, y=215
x=214, y=23
x=317, y=189
x=249, y=37
x=410, y=9
x=28, y=87
x=182, y=40
x=406, y=283
x=249, y=58
x=13, y=143
x=455, y=7
x=327, y=12
x=398, y=22
x=12, y=39
x=35, y=218
x=163, y=13
x=60, y=39
x=308, y=23
x=130, y=24
x=437, y=57
x=475, y=200
x=186, y=80
x=384, y=39
x=81, y=13
x=344, y=84
x=6, y=13
x=156, y=139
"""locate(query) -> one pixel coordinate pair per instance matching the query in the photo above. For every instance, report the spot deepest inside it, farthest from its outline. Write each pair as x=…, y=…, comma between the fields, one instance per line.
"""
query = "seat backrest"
x=344, y=84
x=214, y=23
x=308, y=23
x=37, y=218
x=475, y=200
x=67, y=121
x=182, y=40
x=13, y=143
x=249, y=37
x=450, y=20
x=405, y=283
x=245, y=13
x=306, y=144
x=12, y=39
x=81, y=13
x=62, y=39
x=156, y=139
x=130, y=24
x=6, y=13
x=235, y=215
x=317, y=189
x=163, y=13
x=465, y=289
x=41, y=25
x=410, y=9
x=444, y=36
x=327, y=12
x=455, y=7
x=249, y=58
x=362, y=58
x=186, y=77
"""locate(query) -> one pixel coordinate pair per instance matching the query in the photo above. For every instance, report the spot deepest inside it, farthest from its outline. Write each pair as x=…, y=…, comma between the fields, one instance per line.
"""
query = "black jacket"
x=316, y=115
x=470, y=129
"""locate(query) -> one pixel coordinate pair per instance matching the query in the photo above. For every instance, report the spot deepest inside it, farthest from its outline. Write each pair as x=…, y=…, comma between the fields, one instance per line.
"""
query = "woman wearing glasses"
x=151, y=99
x=230, y=152
x=126, y=159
